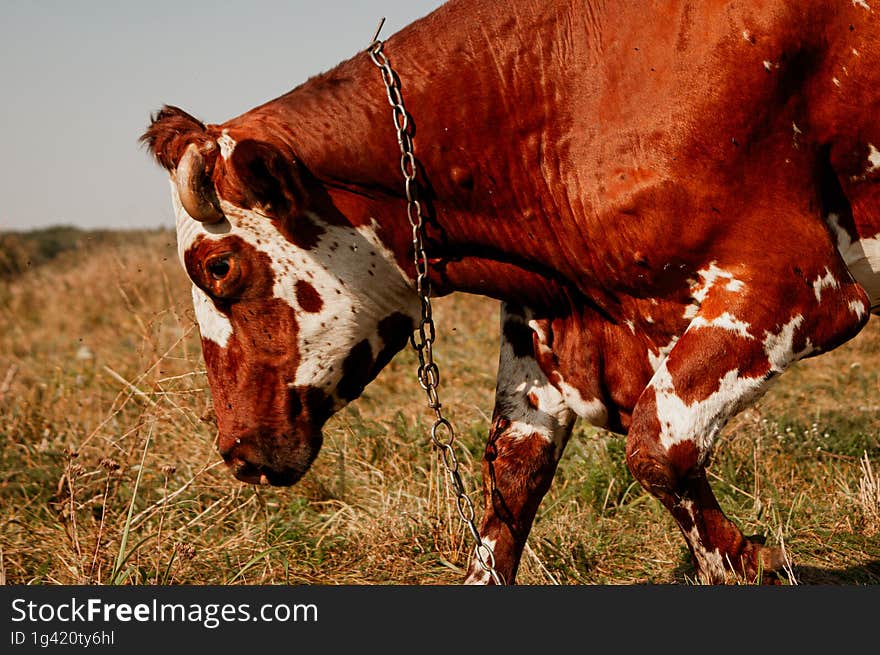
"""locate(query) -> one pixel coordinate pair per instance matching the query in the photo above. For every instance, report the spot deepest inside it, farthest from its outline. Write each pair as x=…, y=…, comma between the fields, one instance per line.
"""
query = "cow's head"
x=298, y=309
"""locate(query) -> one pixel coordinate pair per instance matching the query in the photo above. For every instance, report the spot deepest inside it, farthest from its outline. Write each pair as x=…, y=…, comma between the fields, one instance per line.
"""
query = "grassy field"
x=108, y=471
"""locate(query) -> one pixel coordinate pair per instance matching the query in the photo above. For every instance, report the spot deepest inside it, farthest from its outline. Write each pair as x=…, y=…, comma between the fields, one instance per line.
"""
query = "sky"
x=79, y=80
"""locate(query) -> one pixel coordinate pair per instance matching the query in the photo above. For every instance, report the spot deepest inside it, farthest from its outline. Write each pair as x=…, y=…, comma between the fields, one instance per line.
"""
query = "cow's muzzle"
x=252, y=465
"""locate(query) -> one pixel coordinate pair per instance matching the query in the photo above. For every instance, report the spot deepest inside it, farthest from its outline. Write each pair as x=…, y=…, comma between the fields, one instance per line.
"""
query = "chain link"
x=422, y=340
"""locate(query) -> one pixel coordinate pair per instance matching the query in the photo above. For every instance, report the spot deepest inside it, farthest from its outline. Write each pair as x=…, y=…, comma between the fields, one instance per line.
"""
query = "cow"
x=673, y=202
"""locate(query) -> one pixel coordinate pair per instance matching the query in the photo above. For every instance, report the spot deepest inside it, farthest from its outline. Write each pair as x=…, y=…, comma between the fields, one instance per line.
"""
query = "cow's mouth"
x=269, y=459
x=255, y=474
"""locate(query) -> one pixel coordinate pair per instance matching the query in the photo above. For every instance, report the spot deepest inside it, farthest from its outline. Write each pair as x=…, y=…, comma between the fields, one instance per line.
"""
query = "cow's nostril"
x=233, y=448
x=241, y=460
x=255, y=471
x=257, y=458
x=241, y=467
x=246, y=471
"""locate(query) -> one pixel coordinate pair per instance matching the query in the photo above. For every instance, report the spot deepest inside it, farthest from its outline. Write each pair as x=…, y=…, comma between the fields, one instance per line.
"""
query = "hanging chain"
x=422, y=340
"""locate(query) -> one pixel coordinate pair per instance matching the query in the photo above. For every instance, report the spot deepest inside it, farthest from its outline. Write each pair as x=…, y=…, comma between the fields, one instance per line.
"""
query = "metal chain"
x=422, y=341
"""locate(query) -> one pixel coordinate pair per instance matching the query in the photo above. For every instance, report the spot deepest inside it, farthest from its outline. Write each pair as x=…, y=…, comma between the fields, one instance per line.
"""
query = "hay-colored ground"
x=108, y=471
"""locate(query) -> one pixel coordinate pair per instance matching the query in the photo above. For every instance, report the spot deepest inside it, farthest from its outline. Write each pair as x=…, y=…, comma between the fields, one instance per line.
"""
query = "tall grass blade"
x=121, y=556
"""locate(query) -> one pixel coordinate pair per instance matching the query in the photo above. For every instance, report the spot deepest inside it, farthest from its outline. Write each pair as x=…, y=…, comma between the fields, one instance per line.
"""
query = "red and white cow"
x=673, y=200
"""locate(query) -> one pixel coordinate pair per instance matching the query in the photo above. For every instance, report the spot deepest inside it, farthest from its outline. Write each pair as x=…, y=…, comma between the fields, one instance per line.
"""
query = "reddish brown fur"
x=309, y=299
x=171, y=131
x=249, y=377
x=517, y=472
x=593, y=161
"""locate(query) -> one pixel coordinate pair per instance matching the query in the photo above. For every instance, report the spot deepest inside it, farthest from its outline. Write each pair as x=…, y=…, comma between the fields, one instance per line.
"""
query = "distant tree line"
x=21, y=251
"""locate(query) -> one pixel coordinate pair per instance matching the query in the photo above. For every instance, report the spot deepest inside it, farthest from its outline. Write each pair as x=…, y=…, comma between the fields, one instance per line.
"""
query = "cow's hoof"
x=764, y=564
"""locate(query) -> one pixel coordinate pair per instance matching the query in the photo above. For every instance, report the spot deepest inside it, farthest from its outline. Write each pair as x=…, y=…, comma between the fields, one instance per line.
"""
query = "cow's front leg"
x=530, y=427
x=723, y=362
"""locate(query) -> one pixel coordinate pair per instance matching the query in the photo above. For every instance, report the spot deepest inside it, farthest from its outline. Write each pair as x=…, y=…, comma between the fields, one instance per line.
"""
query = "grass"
x=108, y=472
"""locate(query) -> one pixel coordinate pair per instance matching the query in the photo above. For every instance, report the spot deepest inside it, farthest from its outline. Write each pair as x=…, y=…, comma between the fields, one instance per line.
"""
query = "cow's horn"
x=195, y=189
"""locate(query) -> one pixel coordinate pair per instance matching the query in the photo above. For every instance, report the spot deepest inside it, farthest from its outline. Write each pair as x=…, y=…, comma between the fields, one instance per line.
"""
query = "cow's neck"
x=340, y=125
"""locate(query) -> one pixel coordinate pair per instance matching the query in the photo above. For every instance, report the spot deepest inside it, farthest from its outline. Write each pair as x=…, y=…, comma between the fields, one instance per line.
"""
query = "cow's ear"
x=265, y=177
x=171, y=132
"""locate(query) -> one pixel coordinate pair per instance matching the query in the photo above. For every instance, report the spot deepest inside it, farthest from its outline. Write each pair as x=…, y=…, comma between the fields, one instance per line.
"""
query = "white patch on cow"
x=353, y=300
x=835, y=81
x=358, y=280
x=873, y=164
x=649, y=320
x=747, y=35
x=725, y=321
x=866, y=269
x=779, y=347
x=519, y=378
x=796, y=132
x=858, y=308
x=862, y=4
x=656, y=359
x=769, y=65
x=873, y=159
x=189, y=229
x=371, y=234
x=862, y=258
x=708, y=278
x=702, y=420
x=226, y=143
x=522, y=377
x=536, y=327
x=213, y=325
x=710, y=563
x=824, y=282
x=593, y=410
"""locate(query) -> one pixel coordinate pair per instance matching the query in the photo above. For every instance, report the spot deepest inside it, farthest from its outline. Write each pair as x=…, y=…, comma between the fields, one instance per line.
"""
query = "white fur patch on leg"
x=710, y=563
x=701, y=420
x=529, y=401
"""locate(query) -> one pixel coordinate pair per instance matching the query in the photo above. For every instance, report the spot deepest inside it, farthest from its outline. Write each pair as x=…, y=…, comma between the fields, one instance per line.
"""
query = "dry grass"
x=108, y=472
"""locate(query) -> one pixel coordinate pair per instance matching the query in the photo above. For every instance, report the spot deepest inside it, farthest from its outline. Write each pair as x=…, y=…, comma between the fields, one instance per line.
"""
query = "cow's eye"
x=218, y=267
x=222, y=275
